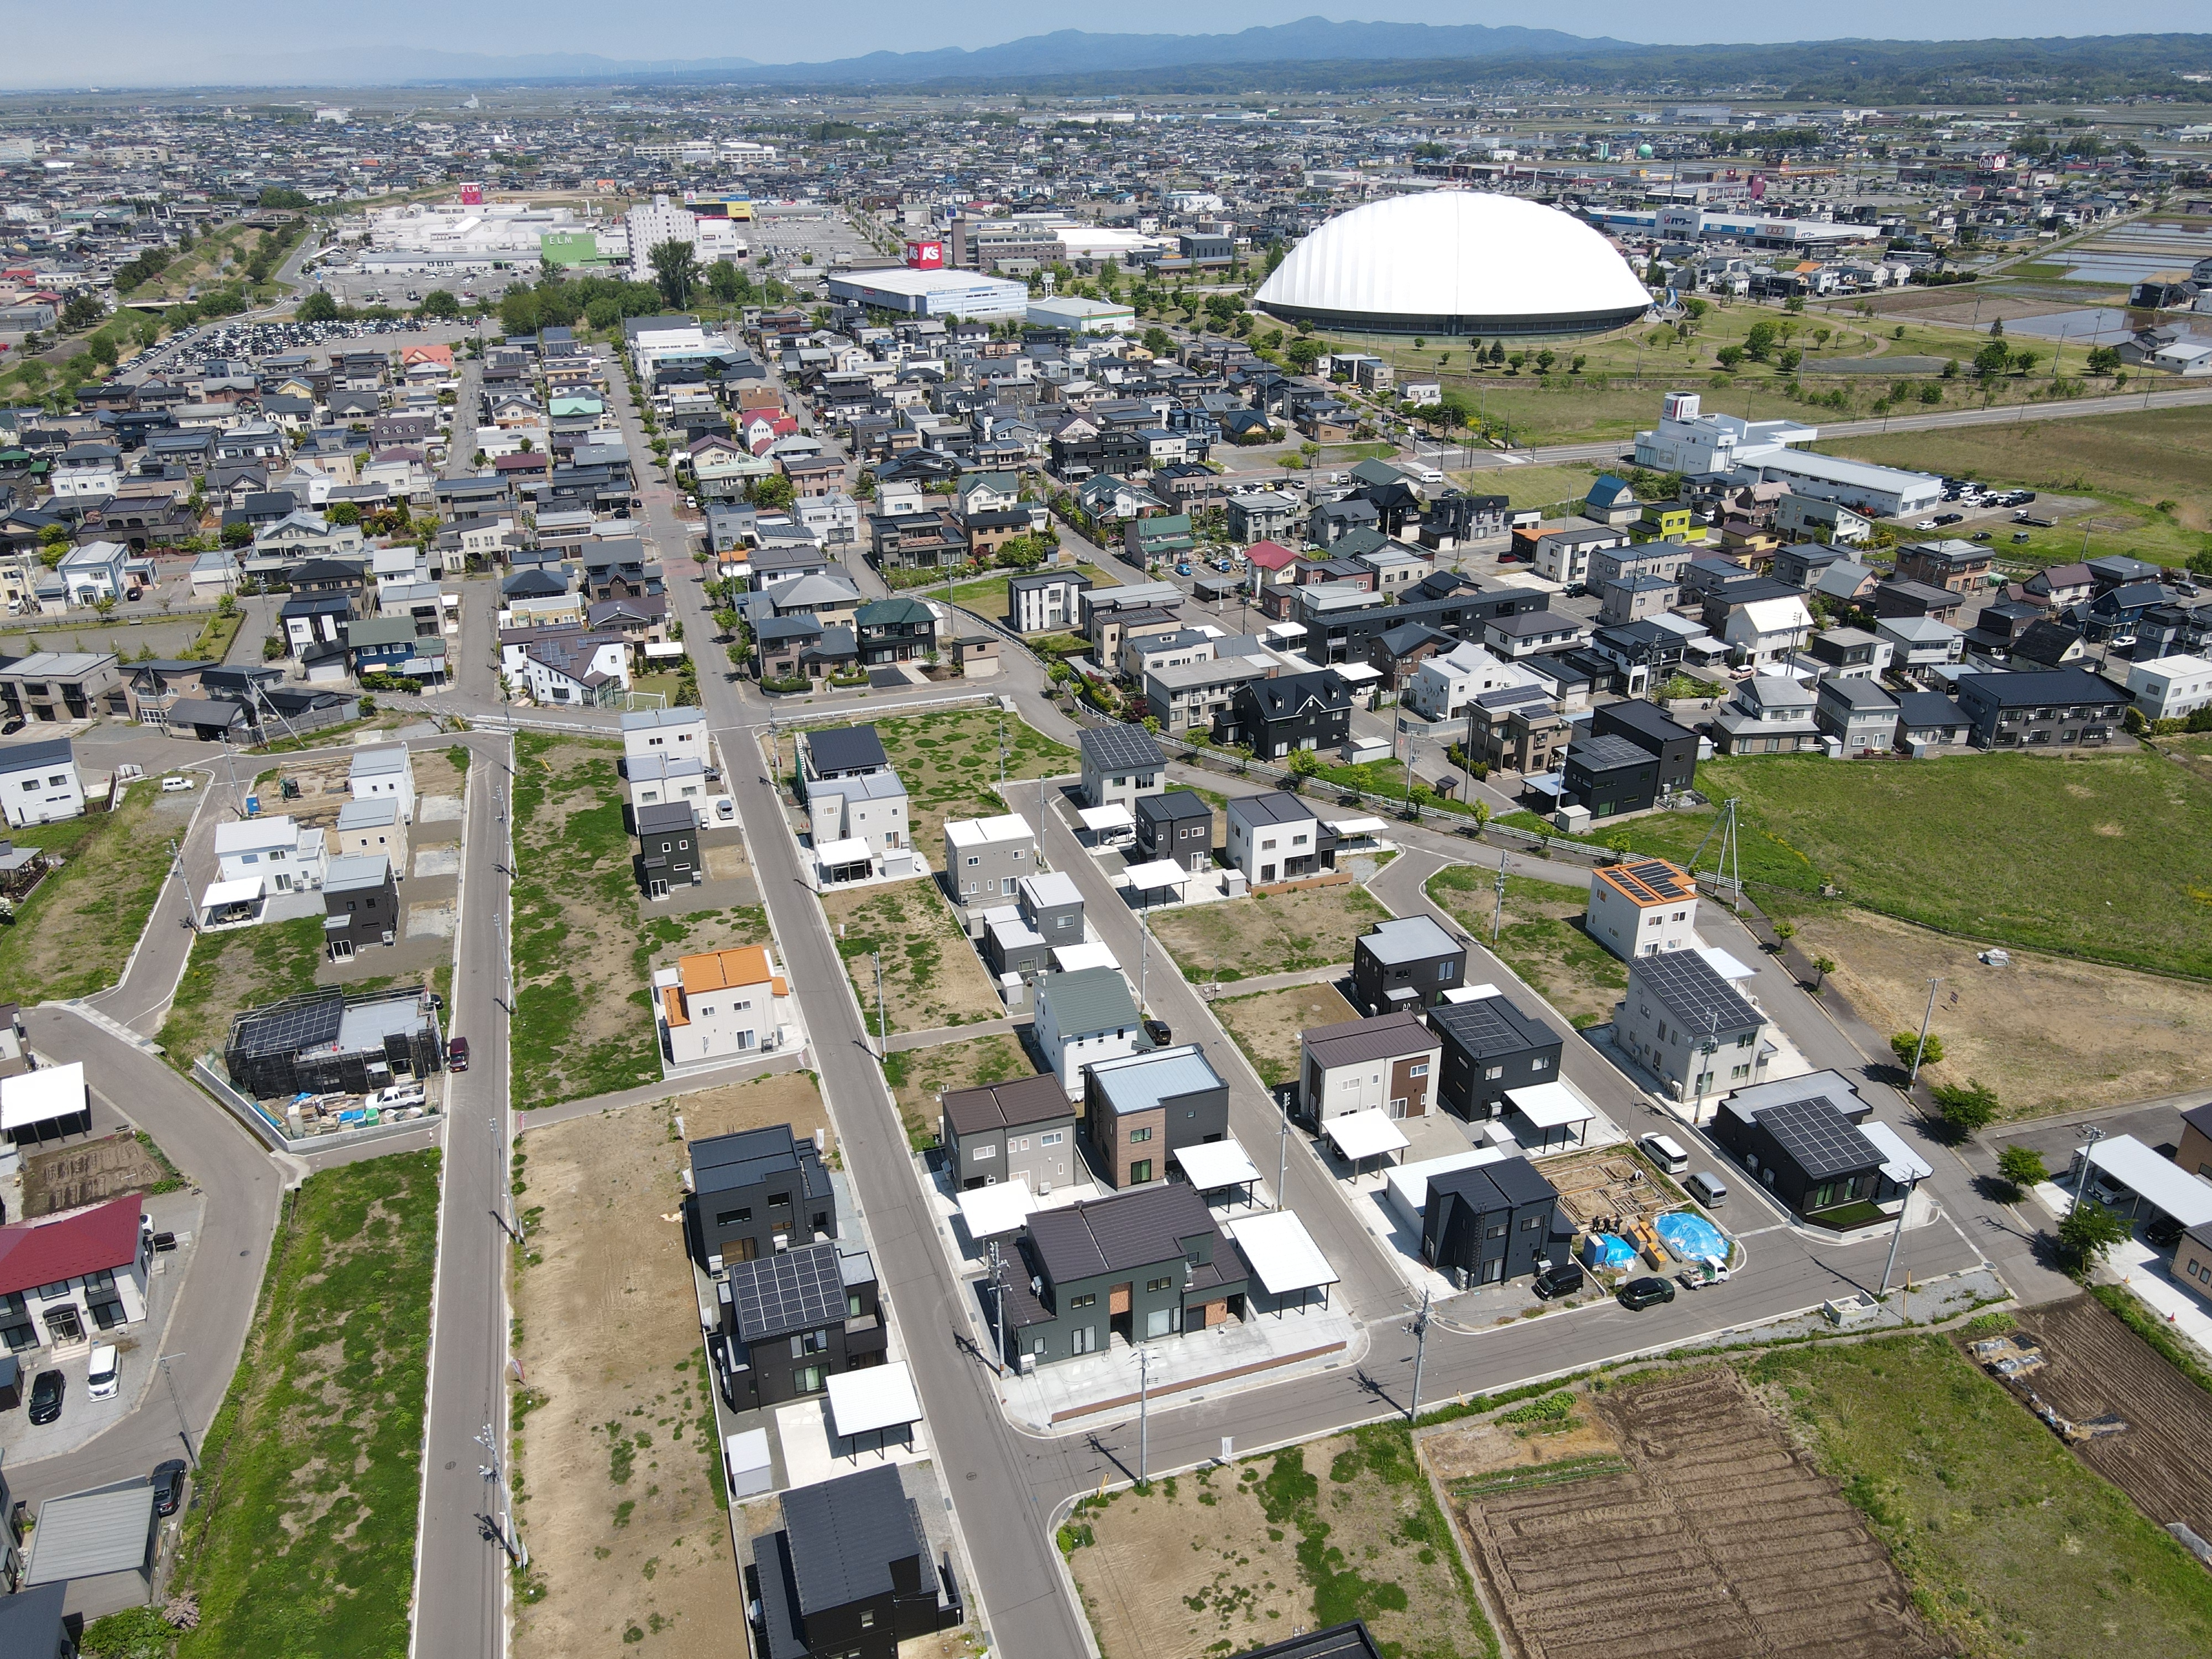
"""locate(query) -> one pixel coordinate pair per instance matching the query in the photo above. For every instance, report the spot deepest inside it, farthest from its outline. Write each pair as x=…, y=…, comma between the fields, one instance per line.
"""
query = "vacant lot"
x=1225, y=1560
x=1278, y=934
x=1687, y=1482
x=919, y=1076
x=73, y=935
x=2097, y=1364
x=93, y=1171
x=668, y=937
x=620, y=1495
x=1542, y=939
x=229, y=973
x=932, y=974
x=2048, y=1034
x=1970, y=845
x=300, y=1538
x=1266, y=1024
x=2011, y=1545
x=583, y=1021
x=950, y=765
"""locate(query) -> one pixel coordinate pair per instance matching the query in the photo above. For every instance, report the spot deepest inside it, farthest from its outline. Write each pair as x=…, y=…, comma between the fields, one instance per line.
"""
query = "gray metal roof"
x=348, y=875
x=844, y=1535
x=1138, y=1083
x=1355, y=1042
x=1039, y=1099
x=1271, y=806
x=1089, y=1000
x=24, y=756
x=1408, y=938
x=87, y=1533
x=846, y=748
x=1120, y=749
x=1691, y=989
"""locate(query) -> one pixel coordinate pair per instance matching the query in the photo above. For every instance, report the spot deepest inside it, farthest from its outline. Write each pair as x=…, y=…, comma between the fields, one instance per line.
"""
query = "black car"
x=1638, y=1294
x=168, y=1482
x=47, y=1397
x=1562, y=1281
x=1158, y=1030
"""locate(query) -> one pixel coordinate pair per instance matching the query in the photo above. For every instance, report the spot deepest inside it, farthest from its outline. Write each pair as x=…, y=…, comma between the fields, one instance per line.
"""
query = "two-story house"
x=984, y=858
x=1407, y=962
x=1020, y=1131
x=898, y=630
x=1642, y=907
x=1018, y=939
x=1084, y=1016
x=1175, y=828
x=1682, y=1020
x=714, y=1005
x=1858, y=713
x=1770, y=715
x=361, y=906
x=755, y=1192
x=1120, y=765
x=1489, y=1223
x=1293, y=713
x=793, y=1319
x=850, y=1574
x=1277, y=837
x=1387, y=1063
x=1490, y=1048
x=1140, y=1110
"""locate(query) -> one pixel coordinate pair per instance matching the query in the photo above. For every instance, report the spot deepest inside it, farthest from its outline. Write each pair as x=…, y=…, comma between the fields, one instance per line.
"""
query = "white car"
x=103, y=1373
x=398, y=1095
x=173, y=786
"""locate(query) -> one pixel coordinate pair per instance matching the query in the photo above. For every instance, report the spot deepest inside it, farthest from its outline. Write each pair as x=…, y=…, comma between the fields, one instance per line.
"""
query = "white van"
x=1708, y=1189
x=1665, y=1152
x=103, y=1373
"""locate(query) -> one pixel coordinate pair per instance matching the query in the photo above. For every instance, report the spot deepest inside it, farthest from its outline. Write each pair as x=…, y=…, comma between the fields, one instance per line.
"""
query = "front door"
x=658, y=889
x=65, y=1323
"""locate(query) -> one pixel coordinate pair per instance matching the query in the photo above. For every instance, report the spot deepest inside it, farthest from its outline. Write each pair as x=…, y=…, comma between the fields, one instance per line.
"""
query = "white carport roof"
x=1096, y=818
x=1550, y=1105
x=854, y=851
x=1356, y=673
x=1281, y=1252
x=1092, y=953
x=1160, y=872
x=2168, y=1186
x=1361, y=826
x=995, y=1212
x=872, y=1398
x=1722, y=963
x=1364, y=1134
x=42, y=1095
x=1899, y=1161
x=244, y=890
x=1215, y=1164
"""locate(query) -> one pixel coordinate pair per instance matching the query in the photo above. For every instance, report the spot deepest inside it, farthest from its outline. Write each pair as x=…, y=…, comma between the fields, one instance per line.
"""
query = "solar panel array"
x=790, y=1291
x=1819, y=1138
x=296, y=1023
x=1661, y=877
x=1694, y=993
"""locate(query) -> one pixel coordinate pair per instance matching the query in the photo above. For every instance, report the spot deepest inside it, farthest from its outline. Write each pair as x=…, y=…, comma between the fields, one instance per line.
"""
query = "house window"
x=807, y=1342
x=1540, y=1063
x=808, y=1379
x=1159, y=1283
x=1491, y=1074
x=1420, y=1070
x=734, y=1218
x=1138, y=1137
x=1498, y=1231
x=1531, y=1223
x=1140, y=1171
x=983, y=1152
x=1083, y=1301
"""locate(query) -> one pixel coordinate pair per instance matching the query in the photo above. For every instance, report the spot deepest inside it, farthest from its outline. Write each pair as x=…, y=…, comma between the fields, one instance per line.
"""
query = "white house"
x=721, y=1003
x=275, y=849
x=1083, y=1017
x=98, y=570
x=1765, y=630
x=666, y=734
x=39, y=782
x=871, y=808
x=1273, y=837
x=1920, y=642
x=385, y=773
x=560, y=666
x=1444, y=685
x=2170, y=688
x=1643, y=908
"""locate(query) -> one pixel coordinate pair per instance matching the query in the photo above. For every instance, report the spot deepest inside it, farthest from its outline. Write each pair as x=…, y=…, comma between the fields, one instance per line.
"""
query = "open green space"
x=300, y=1538
x=1266, y=932
x=1542, y=937
x=73, y=935
x=931, y=975
x=229, y=973
x=987, y=595
x=919, y=1077
x=2011, y=1545
x=2106, y=856
x=949, y=763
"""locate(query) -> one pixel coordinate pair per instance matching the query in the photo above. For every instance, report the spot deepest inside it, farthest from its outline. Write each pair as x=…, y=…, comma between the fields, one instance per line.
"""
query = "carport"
x=232, y=903
x=1555, y=1111
x=1358, y=1136
x=1283, y=1257
x=996, y=1211
x=1218, y=1166
x=1160, y=876
x=2123, y=1170
x=874, y=1400
x=51, y=1105
x=1107, y=826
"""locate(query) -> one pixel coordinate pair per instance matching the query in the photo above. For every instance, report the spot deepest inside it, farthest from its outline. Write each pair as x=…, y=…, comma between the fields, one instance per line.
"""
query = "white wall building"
x=1696, y=444
x=1642, y=908
x=387, y=772
x=721, y=1003
x=277, y=850
x=1442, y=685
x=39, y=782
x=2170, y=688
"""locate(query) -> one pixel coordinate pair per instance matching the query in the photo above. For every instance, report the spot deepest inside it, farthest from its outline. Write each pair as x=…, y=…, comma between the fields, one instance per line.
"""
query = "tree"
x=237, y=535
x=1784, y=930
x=1302, y=354
x=1992, y=360
x=2024, y=362
x=318, y=307
x=343, y=513
x=1730, y=358
x=1762, y=338
x=1158, y=342
x=1545, y=360
x=1904, y=1043
x=773, y=491
x=1789, y=361
x=2089, y=1231
x=1997, y=329
x=1304, y=763
x=1966, y=1108
x=442, y=304
x=676, y=270
x=82, y=312
x=2022, y=1168
x=2104, y=359
x=1822, y=966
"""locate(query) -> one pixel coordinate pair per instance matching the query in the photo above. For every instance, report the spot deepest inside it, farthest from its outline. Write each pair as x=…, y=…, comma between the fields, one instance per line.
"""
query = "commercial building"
x=965, y=295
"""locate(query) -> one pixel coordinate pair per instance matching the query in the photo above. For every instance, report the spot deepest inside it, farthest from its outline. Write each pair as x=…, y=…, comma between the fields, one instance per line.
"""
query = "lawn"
x=1530, y=486
x=2010, y=1544
x=1282, y=933
x=1266, y=1024
x=986, y=596
x=919, y=1076
x=301, y=1539
x=229, y=973
x=931, y=975
x=2104, y=856
x=950, y=765
x=583, y=1021
x=1542, y=939
x=73, y=935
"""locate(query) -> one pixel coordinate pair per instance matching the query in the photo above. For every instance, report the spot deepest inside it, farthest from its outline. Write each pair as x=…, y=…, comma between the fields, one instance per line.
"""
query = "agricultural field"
x=1266, y=933
x=1229, y=1557
x=931, y=975
x=72, y=936
x=919, y=1076
x=1267, y=1025
x=1542, y=938
x=301, y=1537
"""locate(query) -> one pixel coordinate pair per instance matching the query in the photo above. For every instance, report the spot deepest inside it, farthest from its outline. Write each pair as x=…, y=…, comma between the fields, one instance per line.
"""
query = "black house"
x=1177, y=827
x=1409, y=961
x=793, y=1319
x=1277, y=718
x=1808, y=1152
x=1490, y=1047
x=2067, y=706
x=755, y=1192
x=1489, y=1223
x=668, y=848
x=1642, y=725
x=1610, y=775
x=849, y=1576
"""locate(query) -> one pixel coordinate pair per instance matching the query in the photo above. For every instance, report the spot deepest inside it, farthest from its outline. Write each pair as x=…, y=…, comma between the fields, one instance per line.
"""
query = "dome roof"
x=1456, y=262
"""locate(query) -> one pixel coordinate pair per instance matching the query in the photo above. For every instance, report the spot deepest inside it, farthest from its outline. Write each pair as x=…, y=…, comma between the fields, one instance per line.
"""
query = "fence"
x=256, y=1117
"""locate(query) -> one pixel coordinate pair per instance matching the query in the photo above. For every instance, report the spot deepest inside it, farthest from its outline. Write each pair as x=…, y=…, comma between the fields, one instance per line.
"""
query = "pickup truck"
x=398, y=1095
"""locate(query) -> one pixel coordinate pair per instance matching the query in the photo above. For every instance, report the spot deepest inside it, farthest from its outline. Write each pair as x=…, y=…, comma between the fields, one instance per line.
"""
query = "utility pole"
x=1921, y=1046
x=1497, y=917
x=883, y=1026
x=184, y=1428
x=501, y=1525
x=1420, y=1327
x=2088, y=1156
x=505, y=1189
x=1144, y=1420
x=1283, y=1153
x=1898, y=1237
x=998, y=1308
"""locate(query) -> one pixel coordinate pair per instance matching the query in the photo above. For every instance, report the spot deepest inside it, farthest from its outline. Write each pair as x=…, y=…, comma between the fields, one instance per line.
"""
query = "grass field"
x=1267, y=1025
x=229, y=973
x=2009, y=1545
x=73, y=935
x=1542, y=939
x=950, y=765
x=301, y=1539
x=931, y=975
x=919, y=1076
x=2104, y=856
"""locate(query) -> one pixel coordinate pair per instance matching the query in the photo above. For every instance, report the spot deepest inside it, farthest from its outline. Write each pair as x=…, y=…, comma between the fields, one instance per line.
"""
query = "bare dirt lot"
x=620, y=1492
x=1672, y=1518
x=919, y=1076
x=2047, y=1034
x=1266, y=1024
x=1285, y=933
x=931, y=975
x=88, y=1173
x=2095, y=1364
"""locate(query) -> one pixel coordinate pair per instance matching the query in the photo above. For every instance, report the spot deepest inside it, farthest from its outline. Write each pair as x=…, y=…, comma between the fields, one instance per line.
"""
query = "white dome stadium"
x=1455, y=262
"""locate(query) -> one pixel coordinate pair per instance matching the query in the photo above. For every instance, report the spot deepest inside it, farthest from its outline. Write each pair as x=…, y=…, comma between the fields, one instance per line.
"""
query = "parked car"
x=1158, y=1030
x=1562, y=1281
x=457, y=1054
x=103, y=1373
x=169, y=1484
x=46, y=1396
x=399, y=1094
x=1638, y=1294
x=171, y=786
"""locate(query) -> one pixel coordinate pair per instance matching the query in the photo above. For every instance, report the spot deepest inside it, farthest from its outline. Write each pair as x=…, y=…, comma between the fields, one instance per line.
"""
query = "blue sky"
x=142, y=42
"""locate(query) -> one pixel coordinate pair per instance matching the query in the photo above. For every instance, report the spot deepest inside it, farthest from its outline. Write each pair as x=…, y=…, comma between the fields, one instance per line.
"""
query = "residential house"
x=668, y=848
x=1491, y=1223
x=1120, y=765
x=384, y=773
x=567, y=664
x=1520, y=634
x=366, y=829
x=1140, y=1110
x=1859, y=713
x=1387, y=1063
x=1044, y=601
x=843, y=752
x=61, y=685
x=1920, y=644
x=2194, y=1150
x=897, y=629
x=39, y=782
x=1175, y=828
x=849, y=1575
x=792, y=1320
x=983, y=860
x=1929, y=720
x=97, y=571
x=1407, y=963
x=1019, y=1131
x=361, y=906
x=1761, y=631
x=1801, y=1139
x=716, y=1004
x=754, y=1194
x=1262, y=515
x=2170, y=688
x=1158, y=539
x=1019, y=940
x=1608, y=775
x=1642, y=907
x=1562, y=554
x=1288, y=714
x=1843, y=653
x=276, y=850
x=2066, y=706
x=1442, y=686
x=1490, y=1047
x=1911, y=599
x=1684, y=1022
x=1675, y=746
x=1277, y=837
x=1956, y=567
x=1770, y=714
x=666, y=734
x=1083, y=1017
x=871, y=808
x=65, y=1277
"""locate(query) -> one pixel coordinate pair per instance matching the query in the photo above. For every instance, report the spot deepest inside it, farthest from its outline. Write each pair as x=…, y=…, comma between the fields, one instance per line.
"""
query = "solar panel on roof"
x=1820, y=1139
x=797, y=1289
x=1659, y=877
